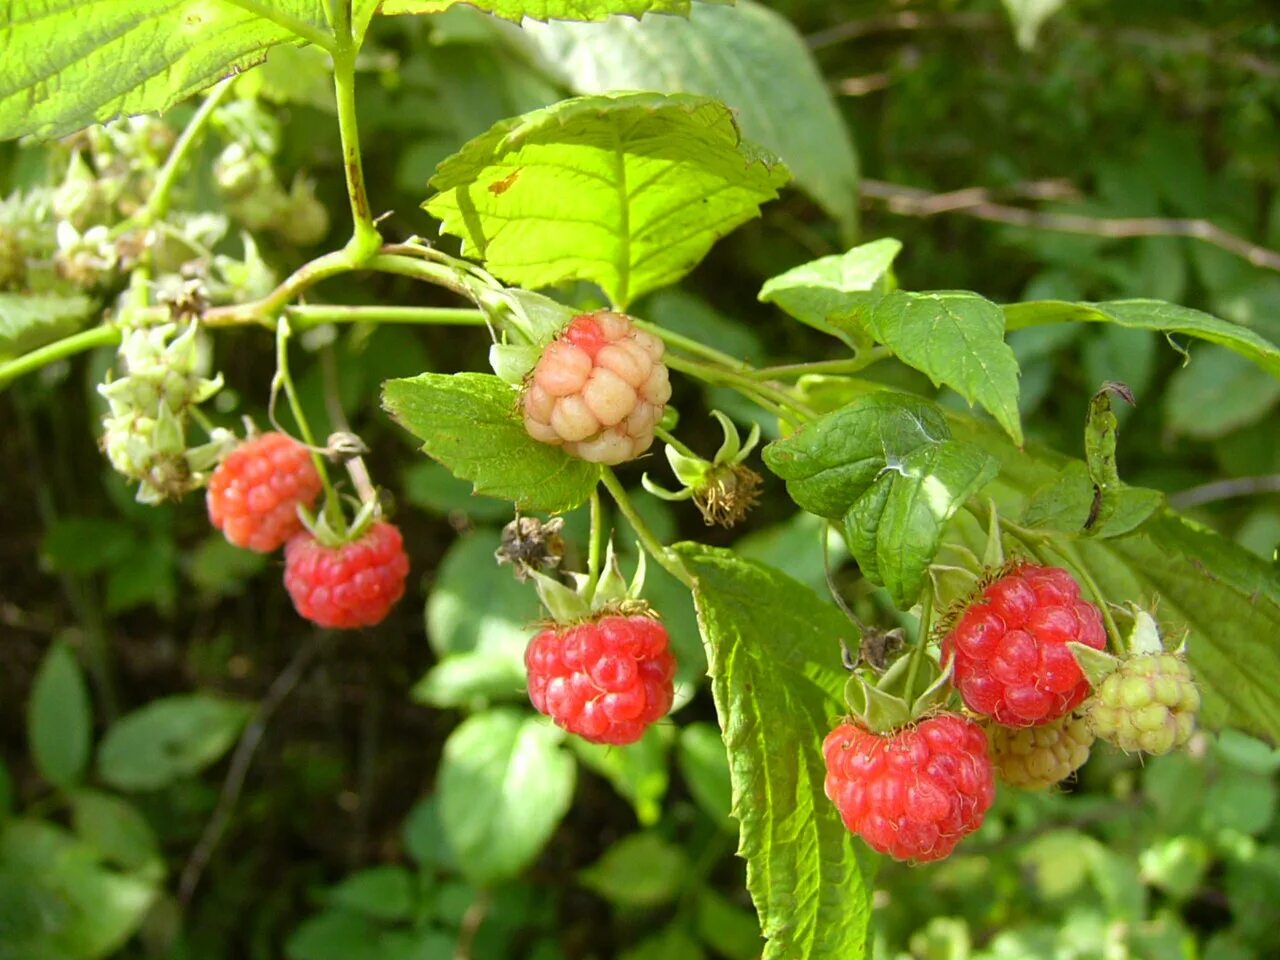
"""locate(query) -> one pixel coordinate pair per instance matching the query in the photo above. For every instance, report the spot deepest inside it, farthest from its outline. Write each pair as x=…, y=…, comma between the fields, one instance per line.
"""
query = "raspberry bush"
x=650, y=304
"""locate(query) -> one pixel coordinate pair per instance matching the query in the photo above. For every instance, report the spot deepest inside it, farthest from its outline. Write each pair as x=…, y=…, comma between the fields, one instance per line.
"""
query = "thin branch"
x=241, y=760
x=1225, y=490
x=975, y=202
x=907, y=21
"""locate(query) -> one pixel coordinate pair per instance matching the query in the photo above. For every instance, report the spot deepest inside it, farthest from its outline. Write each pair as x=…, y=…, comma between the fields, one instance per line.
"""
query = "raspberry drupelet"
x=348, y=586
x=598, y=390
x=254, y=494
x=1010, y=648
x=606, y=680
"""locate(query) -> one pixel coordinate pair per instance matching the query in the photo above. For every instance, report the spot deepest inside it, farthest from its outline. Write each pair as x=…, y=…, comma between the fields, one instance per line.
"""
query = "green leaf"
x=60, y=718
x=831, y=289
x=504, y=784
x=774, y=656
x=30, y=320
x=894, y=530
x=477, y=677
x=746, y=55
x=829, y=463
x=82, y=545
x=469, y=422
x=956, y=338
x=517, y=10
x=56, y=899
x=726, y=927
x=642, y=870
x=627, y=191
x=381, y=893
x=169, y=739
x=1167, y=318
x=346, y=935
x=671, y=943
x=705, y=768
x=116, y=830
x=638, y=771
x=1217, y=392
x=1067, y=502
x=424, y=838
x=68, y=64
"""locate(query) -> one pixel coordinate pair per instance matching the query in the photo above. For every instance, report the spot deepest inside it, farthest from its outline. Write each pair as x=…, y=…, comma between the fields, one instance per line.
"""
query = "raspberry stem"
x=593, y=545
x=652, y=545
x=332, y=506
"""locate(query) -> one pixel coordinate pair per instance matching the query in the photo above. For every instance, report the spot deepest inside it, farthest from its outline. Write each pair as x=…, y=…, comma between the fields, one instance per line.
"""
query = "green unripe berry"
x=1036, y=758
x=1148, y=703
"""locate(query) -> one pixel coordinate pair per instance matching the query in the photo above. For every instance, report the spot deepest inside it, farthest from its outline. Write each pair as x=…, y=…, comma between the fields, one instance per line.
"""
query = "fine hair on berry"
x=913, y=793
x=254, y=494
x=348, y=586
x=1009, y=646
x=606, y=679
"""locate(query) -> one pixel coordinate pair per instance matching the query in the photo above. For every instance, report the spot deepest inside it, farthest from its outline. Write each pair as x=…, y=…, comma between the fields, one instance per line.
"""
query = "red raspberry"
x=605, y=680
x=1012, y=661
x=255, y=492
x=353, y=585
x=913, y=793
x=598, y=389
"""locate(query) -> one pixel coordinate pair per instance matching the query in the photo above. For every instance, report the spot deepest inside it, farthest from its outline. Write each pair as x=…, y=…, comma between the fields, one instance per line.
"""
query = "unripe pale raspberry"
x=605, y=680
x=1010, y=648
x=1148, y=703
x=913, y=793
x=354, y=585
x=1035, y=758
x=255, y=492
x=598, y=390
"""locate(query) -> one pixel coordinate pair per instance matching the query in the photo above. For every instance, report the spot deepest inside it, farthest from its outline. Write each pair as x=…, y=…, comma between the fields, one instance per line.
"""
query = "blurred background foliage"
x=190, y=772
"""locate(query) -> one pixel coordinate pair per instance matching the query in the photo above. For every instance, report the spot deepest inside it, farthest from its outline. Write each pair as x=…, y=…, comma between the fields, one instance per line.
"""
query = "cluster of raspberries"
x=254, y=498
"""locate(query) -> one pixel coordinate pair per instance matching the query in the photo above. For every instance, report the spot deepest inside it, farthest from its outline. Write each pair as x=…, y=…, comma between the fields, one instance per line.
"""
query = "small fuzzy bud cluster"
x=598, y=390
x=13, y=259
x=1148, y=703
x=1036, y=758
x=144, y=433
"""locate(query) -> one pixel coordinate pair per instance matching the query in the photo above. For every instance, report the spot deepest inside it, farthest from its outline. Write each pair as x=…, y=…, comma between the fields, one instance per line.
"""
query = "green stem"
x=922, y=641
x=158, y=202
x=1069, y=554
x=778, y=402
x=103, y=336
x=263, y=311
x=332, y=506
x=692, y=346
x=304, y=316
x=848, y=365
x=365, y=239
x=652, y=545
x=427, y=271
x=593, y=544
x=669, y=438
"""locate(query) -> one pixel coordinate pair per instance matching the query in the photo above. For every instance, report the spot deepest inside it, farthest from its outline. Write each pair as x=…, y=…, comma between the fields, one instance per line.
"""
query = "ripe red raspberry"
x=599, y=389
x=255, y=492
x=605, y=680
x=1012, y=661
x=1148, y=703
x=353, y=585
x=913, y=793
x=1035, y=758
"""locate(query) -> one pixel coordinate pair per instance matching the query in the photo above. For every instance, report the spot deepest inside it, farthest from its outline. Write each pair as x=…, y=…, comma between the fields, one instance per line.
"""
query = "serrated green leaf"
x=638, y=771
x=840, y=287
x=60, y=718
x=627, y=191
x=895, y=528
x=517, y=10
x=746, y=55
x=774, y=656
x=68, y=64
x=956, y=338
x=1066, y=503
x=504, y=784
x=30, y=320
x=831, y=462
x=1166, y=318
x=642, y=870
x=469, y=422
x=169, y=739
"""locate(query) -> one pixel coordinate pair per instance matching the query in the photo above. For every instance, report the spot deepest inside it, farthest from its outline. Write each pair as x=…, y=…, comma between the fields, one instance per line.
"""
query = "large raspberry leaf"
x=28, y=321
x=517, y=10
x=627, y=191
x=894, y=530
x=67, y=63
x=774, y=654
x=504, y=785
x=831, y=462
x=469, y=422
x=1167, y=318
x=747, y=55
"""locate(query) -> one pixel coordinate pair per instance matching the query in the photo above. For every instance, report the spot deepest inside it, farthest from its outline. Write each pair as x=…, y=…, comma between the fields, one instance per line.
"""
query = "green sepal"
x=513, y=361
x=563, y=603
x=935, y=695
x=993, y=554
x=1144, y=638
x=1096, y=664
x=878, y=711
x=528, y=317
x=662, y=493
x=690, y=471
